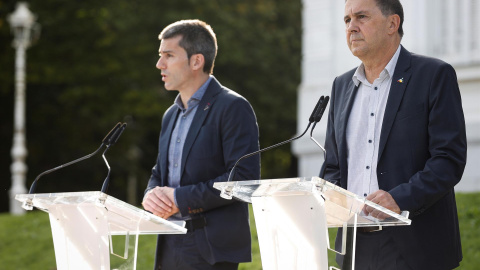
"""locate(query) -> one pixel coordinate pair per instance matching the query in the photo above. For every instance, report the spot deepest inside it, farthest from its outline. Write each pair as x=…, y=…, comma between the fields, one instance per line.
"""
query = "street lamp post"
x=22, y=23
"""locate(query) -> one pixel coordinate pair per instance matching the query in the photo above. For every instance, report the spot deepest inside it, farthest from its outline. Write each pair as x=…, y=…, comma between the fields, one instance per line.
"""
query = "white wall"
x=446, y=29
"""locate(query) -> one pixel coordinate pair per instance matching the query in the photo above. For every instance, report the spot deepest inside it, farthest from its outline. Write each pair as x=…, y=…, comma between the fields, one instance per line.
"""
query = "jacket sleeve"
x=447, y=146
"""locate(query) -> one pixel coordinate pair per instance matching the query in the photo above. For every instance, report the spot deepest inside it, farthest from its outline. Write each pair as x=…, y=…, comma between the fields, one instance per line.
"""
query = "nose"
x=352, y=26
x=160, y=64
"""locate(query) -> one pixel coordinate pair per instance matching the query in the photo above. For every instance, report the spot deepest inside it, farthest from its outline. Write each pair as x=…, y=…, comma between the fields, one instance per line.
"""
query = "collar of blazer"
x=204, y=107
x=350, y=94
x=400, y=81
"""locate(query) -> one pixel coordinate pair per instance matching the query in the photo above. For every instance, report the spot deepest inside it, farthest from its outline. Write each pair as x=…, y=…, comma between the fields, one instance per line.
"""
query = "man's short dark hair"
x=390, y=7
x=197, y=38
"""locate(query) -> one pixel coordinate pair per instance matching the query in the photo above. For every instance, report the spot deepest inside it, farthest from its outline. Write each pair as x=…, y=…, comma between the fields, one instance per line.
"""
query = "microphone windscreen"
x=110, y=134
x=117, y=134
x=321, y=109
x=312, y=116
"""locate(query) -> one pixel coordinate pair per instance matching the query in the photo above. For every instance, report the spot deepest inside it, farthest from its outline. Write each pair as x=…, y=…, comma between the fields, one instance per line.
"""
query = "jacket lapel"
x=203, y=109
x=399, y=83
x=165, y=143
x=349, y=97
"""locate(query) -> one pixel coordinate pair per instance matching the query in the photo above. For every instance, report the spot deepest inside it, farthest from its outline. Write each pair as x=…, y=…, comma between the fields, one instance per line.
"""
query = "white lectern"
x=293, y=216
x=85, y=224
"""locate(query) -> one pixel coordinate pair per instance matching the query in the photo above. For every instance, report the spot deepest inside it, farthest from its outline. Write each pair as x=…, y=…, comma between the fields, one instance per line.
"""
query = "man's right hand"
x=160, y=202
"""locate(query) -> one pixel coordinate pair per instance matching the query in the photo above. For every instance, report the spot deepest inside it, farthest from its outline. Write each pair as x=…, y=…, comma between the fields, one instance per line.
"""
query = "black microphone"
x=310, y=121
x=321, y=109
x=104, y=142
x=111, y=133
x=317, y=117
x=116, y=134
x=312, y=116
x=319, y=112
x=111, y=141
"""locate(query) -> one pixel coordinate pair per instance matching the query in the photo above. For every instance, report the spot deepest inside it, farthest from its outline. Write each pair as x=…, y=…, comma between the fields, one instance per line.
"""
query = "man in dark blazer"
x=203, y=134
x=396, y=136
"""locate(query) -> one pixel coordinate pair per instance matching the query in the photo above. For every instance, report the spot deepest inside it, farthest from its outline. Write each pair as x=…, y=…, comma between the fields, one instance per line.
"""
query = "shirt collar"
x=197, y=96
x=359, y=75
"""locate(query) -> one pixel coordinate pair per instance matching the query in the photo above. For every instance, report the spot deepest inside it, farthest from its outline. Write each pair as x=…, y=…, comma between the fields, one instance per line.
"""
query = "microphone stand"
x=28, y=204
x=34, y=184
x=310, y=121
x=111, y=142
x=104, y=142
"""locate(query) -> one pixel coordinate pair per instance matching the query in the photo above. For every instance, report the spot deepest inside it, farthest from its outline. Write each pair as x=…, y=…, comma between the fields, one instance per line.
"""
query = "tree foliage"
x=94, y=65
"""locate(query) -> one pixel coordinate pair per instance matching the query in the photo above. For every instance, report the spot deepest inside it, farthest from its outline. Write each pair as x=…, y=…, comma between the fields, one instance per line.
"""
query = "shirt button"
x=368, y=167
x=364, y=194
x=176, y=165
x=376, y=88
x=372, y=114
x=370, y=141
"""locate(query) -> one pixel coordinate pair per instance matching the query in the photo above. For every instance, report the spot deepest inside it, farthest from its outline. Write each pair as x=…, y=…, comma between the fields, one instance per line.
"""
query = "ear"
x=197, y=61
x=393, y=24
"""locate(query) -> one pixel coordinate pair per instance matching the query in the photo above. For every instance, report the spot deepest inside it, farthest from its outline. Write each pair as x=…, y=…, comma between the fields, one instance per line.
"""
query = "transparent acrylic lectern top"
x=121, y=215
x=340, y=204
x=293, y=215
x=86, y=227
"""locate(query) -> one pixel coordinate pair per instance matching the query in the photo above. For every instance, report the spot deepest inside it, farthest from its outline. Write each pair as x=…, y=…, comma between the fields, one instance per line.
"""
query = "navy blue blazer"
x=422, y=155
x=224, y=128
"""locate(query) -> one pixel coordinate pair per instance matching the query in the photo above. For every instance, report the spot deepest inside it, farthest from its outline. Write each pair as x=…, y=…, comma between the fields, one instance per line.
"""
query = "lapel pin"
x=207, y=106
x=400, y=81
